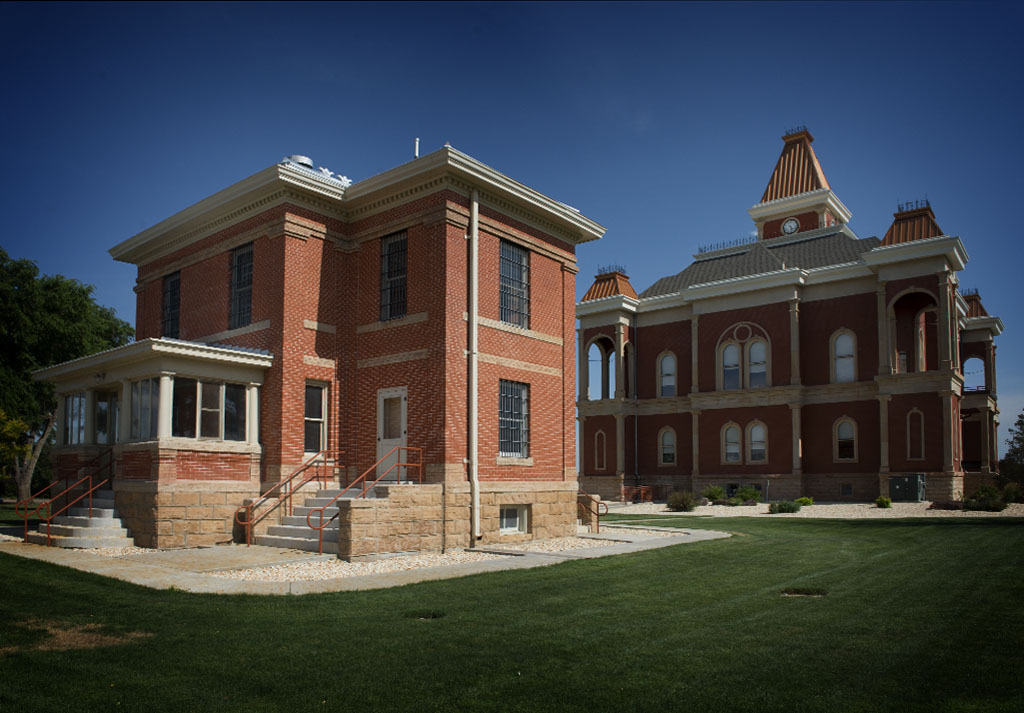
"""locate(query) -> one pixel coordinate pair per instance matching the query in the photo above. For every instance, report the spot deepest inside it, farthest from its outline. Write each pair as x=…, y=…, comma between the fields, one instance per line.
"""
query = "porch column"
x=884, y=349
x=695, y=420
x=794, y=340
x=694, y=371
x=584, y=367
x=990, y=368
x=163, y=421
x=986, y=442
x=89, y=417
x=620, y=446
x=947, y=431
x=883, y=433
x=252, y=420
x=124, y=412
x=798, y=459
x=620, y=369
x=945, y=340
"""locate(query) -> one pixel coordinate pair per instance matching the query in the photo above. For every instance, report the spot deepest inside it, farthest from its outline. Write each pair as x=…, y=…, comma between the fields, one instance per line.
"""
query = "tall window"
x=105, y=422
x=74, y=419
x=667, y=375
x=600, y=457
x=315, y=418
x=514, y=285
x=846, y=440
x=241, y=287
x=757, y=443
x=843, y=357
x=145, y=406
x=731, y=444
x=171, y=305
x=757, y=364
x=915, y=435
x=667, y=447
x=513, y=420
x=731, y=366
x=393, y=264
x=218, y=408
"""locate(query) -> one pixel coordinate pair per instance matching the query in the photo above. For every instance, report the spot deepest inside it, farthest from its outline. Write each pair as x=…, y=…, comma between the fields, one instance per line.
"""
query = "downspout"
x=636, y=406
x=471, y=379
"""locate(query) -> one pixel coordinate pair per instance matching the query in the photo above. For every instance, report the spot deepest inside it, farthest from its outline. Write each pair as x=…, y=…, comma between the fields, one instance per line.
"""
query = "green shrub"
x=714, y=492
x=805, y=501
x=1013, y=493
x=682, y=501
x=784, y=506
x=883, y=502
x=734, y=501
x=748, y=492
x=987, y=498
x=987, y=492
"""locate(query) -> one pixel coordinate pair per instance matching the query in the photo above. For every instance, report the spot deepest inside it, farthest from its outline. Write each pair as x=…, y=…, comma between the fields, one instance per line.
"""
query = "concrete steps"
x=77, y=529
x=294, y=533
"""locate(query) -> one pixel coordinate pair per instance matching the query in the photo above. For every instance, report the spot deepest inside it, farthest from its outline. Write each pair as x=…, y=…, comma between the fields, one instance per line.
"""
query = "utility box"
x=906, y=488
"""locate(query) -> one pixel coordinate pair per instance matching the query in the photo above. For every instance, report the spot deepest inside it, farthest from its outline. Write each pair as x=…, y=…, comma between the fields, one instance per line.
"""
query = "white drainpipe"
x=471, y=381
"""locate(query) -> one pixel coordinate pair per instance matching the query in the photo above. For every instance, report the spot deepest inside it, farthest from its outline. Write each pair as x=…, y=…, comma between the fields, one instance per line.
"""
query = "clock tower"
x=798, y=197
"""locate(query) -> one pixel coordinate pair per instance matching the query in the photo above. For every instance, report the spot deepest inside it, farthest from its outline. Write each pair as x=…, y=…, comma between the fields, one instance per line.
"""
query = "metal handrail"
x=319, y=460
x=94, y=463
x=596, y=511
x=399, y=463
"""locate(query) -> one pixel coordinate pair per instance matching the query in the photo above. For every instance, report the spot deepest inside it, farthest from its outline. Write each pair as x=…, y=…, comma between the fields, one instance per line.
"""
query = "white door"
x=391, y=427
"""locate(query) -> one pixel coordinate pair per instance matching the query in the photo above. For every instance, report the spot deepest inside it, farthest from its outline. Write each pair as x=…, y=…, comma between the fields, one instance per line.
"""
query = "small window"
x=74, y=419
x=757, y=443
x=514, y=285
x=600, y=451
x=513, y=519
x=171, y=305
x=315, y=418
x=145, y=407
x=846, y=440
x=393, y=265
x=730, y=366
x=241, y=287
x=667, y=375
x=667, y=447
x=846, y=490
x=757, y=364
x=513, y=419
x=844, y=358
x=731, y=444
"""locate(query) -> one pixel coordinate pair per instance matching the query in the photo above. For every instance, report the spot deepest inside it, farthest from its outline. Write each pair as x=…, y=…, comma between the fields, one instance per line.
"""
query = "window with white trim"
x=218, y=408
x=241, y=287
x=667, y=375
x=845, y=440
x=757, y=364
x=74, y=419
x=757, y=443
x=731, y=444
x=145, y=407
x=513, y=419
x=731, y=366
x=393, y=269
x=105, y=417
x=315, y=419
x=844, y=358
x=514, y=284
x=513, y=519
x=667, y=447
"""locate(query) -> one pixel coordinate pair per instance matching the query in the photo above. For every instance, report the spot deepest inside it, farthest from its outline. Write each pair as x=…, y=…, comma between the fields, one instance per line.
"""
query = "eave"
x=942, y=246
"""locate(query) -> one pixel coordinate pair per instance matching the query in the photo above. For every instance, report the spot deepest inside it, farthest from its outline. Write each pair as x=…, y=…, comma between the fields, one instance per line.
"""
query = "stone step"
x=303, y=532
x=39, y=538
x=303, y=511
x=101, y=513
x=90, y=530
x=295, y=543
x=299, y=520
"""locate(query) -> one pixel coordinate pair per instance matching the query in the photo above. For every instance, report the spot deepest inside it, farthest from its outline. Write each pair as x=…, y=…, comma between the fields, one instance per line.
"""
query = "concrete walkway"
x=188, y=569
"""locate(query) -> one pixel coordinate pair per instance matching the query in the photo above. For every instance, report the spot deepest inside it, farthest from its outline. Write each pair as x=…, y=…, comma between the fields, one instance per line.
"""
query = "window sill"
x=513, y=460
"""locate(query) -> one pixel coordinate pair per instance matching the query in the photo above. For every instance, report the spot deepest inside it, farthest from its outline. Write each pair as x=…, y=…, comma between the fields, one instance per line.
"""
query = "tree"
x=44, y=320
x=1011, y=467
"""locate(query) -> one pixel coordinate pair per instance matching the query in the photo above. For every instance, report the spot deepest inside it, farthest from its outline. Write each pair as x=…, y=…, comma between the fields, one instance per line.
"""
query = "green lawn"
x=921, y=615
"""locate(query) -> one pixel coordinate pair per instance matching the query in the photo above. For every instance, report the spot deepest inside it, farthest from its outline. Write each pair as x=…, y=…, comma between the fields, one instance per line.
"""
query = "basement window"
x=513, y=519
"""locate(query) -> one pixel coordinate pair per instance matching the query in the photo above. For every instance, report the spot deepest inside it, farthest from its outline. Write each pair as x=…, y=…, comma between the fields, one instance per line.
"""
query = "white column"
x=986, y=442
x=584, y=367
x=124, y=415
x=695, y=420
x=89, y=417
x=945, y=344
x=694, y=370
x=58, y=416
x=990, y=368
x=947, y=431
x=252, y=420
x=163, y=421
x=620, y=369
x=883, y=433
x=798, y=458
x=794, y=341
x=884, y=348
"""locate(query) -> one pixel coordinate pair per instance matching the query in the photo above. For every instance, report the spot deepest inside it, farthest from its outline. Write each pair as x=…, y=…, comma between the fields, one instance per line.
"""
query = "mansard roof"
x=914, y=221
x=837, y=246
x=609, y=284
x=797, y=170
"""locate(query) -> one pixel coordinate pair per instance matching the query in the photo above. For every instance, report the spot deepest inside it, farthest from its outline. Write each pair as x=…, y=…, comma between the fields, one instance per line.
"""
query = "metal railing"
x=320, y=465
x=22, y=506
x=399, y=464
x=593, y=507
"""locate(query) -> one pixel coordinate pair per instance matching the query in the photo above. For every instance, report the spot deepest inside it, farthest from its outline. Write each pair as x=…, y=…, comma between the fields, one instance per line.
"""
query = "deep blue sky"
x=662, y=121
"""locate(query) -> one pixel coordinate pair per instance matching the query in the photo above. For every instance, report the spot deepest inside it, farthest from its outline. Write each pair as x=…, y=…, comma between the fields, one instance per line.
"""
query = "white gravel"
x=333, y=569
x=117, y=551
x=612, y=530
x=850, y=511
x=557, y=544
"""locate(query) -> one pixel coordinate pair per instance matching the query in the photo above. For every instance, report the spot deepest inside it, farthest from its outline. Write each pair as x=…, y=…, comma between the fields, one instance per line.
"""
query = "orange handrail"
x=596, y=509
x=317, y=462
x=21, y=507
x=399, y=463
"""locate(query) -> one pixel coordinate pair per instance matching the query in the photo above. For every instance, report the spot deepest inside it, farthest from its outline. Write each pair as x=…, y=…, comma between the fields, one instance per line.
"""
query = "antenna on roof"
x=416, y=147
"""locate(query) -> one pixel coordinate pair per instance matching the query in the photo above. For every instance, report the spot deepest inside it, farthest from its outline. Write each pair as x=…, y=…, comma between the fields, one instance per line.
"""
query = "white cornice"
x=989, y=324
x=943, y=245
x=800, y=202
x=614, y=303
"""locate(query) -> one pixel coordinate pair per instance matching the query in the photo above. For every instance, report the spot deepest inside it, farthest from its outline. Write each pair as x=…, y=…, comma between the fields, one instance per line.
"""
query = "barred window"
x=171, y=305
x=241, y=287
x=393, y=254
x=513, y=419
x=515, y=285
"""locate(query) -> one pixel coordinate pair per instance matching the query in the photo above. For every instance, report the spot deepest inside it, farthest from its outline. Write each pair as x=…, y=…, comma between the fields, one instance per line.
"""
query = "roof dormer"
x=912, y=221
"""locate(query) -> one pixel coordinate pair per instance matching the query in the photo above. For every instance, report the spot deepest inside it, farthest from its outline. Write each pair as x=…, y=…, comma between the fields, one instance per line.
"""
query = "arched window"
x=730, y=366
x=757, y=364
x=627, y=371
x=667, y=375
x=731, y=444
x=757, y=443
x=667, y=447
x=596, y=384
x=600, y=459
x=609, y=365
x=845, y=440
x=915, y=435
x=844, y=358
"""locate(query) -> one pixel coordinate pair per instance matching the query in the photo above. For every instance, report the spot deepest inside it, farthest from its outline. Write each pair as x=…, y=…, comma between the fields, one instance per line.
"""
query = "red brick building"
x=296, y=313
x=806, y=362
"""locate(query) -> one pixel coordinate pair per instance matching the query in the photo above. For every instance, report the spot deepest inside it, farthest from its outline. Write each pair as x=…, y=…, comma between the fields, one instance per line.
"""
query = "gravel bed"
x=557, y=544
x=842, y=511
x=117, y=551
x=317, y=570
x=612, y=530
x=8, y=538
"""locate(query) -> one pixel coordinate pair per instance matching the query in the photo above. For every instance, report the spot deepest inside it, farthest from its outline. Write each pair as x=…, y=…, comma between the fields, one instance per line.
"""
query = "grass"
x=921, y=615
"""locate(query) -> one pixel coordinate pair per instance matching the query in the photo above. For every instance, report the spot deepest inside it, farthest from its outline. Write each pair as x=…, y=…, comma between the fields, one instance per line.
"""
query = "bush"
x=1013, y=493
x=703, y=501
x=714, y=492
x=682, y=501
x=749, y=502
x=946, y=505
x=987, y=498
x=804, y=502
x=784, y=506
x=748, y=492
x=720, y=501
x=883, y=502
x=987, y=492
x=733, y=502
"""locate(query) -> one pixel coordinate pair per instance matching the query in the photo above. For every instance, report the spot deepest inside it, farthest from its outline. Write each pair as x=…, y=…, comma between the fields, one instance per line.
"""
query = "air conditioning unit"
x=906, y=488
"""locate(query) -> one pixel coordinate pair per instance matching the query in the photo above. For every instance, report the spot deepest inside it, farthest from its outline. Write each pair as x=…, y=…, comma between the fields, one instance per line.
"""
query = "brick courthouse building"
x=296, y=313
x=806, y=362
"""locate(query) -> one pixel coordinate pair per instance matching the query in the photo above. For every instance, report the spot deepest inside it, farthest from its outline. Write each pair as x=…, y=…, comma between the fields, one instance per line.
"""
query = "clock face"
x=790, y=226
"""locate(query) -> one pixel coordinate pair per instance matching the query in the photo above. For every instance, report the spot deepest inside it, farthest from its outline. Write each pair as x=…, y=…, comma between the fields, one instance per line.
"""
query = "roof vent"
x=299, y=160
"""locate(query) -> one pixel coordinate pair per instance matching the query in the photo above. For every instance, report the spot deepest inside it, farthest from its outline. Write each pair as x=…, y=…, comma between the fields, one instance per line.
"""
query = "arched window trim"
x=749, y=441
x=739, y=443
x=832, y=356
x=660, y=374
x=835, y=440
x=910, y=414
x=599, y=340
x=600, y=450
x=757, y=333
x=675, y=448
x=921, y=338
x=748, y=363
x=890, y=313
x=720, y=370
